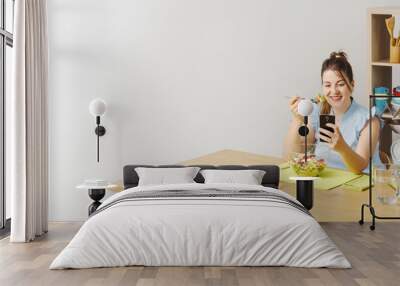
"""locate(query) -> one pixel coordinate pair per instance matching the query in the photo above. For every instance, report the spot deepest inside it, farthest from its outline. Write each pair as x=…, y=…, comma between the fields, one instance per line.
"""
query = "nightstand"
x=96, y=193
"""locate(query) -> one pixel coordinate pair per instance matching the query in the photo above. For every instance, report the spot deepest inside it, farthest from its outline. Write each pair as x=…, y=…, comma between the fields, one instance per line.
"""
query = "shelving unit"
x=380, y=70
x=380, y=73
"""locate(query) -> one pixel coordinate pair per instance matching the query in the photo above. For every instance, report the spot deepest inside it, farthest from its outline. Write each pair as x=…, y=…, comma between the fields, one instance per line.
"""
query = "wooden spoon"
x=398, y=39
x=390, y=27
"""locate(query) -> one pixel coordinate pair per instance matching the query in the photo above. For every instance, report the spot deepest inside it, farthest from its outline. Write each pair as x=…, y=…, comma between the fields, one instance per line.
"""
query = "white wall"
x=184, y=78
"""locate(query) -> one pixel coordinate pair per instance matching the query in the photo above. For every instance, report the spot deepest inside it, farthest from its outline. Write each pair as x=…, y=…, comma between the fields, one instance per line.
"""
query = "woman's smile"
x=336, y=97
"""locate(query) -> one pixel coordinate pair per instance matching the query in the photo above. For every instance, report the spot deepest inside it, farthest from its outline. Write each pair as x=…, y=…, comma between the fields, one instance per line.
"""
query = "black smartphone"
x=325, y=119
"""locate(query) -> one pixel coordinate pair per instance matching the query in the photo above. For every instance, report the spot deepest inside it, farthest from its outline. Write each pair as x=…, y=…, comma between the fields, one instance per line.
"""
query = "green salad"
x=312, y=168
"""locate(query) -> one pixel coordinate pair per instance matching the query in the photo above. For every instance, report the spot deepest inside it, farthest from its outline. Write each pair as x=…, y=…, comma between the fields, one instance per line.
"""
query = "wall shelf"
x=384, y=62
x=389, y=117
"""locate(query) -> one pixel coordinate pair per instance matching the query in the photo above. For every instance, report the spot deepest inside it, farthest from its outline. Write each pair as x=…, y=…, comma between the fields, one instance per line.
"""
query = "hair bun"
x=339, y=54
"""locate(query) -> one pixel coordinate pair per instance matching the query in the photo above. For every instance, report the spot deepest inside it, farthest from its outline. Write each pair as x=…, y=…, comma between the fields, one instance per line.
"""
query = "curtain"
x=28, y=122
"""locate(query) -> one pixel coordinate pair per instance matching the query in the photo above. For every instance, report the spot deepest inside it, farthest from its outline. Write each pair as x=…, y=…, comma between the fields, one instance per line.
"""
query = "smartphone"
x=325, y=119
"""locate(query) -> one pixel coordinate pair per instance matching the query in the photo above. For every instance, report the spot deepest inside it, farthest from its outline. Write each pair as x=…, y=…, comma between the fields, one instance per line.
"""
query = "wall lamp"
x=97, y=108
x=304, y=185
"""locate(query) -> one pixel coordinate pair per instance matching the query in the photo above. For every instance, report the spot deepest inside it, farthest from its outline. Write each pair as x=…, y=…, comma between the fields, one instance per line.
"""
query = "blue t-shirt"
x=353, y=121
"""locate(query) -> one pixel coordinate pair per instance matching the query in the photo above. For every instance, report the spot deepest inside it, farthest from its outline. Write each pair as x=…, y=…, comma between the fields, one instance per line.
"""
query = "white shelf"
x=86, y=187
x=390, y=10
x=303, y=178
x=384, y=63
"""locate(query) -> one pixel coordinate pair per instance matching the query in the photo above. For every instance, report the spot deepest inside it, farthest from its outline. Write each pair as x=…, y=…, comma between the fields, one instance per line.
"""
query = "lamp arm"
x=305, y=139
x=98, y=136
x=98, y=147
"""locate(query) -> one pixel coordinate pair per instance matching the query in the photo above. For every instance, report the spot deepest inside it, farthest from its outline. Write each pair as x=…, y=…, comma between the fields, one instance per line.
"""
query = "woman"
x=347, y=146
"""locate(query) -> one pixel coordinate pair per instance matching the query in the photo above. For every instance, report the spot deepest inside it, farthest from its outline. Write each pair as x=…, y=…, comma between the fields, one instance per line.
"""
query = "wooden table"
x=332, y=205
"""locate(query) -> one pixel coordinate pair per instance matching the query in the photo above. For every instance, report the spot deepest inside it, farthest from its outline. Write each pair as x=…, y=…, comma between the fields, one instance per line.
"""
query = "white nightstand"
x=96, y=193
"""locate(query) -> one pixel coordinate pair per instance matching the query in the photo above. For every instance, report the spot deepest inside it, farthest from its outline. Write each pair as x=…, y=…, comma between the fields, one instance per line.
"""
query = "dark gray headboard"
x=270, y=179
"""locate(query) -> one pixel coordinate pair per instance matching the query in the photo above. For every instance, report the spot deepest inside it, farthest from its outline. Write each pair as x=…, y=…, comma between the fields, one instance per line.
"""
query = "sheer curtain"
x=28, y=148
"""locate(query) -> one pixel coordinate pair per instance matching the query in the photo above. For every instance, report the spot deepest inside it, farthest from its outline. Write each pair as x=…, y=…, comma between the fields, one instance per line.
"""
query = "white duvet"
x=199, y=231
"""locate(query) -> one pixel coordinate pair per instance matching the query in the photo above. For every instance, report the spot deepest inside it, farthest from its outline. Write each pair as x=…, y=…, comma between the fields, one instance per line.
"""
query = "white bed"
x=207, y=230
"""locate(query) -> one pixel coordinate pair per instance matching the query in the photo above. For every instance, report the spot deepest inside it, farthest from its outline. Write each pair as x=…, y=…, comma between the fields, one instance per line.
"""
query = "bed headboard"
x=270, y=179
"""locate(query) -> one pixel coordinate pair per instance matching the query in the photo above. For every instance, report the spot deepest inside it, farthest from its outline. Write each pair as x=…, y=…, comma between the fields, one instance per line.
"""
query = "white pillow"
x=248, y=177
x=165, y=176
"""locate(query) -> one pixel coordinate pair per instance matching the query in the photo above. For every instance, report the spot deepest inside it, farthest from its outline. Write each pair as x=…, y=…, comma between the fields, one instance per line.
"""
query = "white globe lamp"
x=97, y=108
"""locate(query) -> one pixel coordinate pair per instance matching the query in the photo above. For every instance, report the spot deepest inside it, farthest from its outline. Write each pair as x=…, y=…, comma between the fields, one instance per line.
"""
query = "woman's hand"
x=293, y=104
x=334, y=139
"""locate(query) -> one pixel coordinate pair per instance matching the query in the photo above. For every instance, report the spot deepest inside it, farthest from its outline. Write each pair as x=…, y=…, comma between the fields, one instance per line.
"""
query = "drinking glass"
x=386, y=183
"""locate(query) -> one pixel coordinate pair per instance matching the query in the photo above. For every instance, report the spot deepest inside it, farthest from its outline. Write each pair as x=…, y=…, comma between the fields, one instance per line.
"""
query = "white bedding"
x=200, y=231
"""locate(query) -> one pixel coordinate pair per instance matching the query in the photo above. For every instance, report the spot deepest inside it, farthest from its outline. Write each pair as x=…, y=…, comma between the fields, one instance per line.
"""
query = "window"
x=6, y=44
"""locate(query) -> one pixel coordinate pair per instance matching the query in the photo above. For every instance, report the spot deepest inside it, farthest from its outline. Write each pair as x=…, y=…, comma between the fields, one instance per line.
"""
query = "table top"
x=92, y=187
x=336, y=204
x=303, y=178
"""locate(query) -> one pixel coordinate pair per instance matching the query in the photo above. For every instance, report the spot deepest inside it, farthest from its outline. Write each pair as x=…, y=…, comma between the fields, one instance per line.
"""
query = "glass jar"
x=386, y=182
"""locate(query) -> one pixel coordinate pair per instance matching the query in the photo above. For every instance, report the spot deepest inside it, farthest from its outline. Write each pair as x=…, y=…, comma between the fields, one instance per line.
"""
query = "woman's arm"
x=355, y=161
x=363, y=144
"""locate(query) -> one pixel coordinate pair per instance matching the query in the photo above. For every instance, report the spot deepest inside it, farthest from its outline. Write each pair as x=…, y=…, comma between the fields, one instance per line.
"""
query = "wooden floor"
x=375, y=256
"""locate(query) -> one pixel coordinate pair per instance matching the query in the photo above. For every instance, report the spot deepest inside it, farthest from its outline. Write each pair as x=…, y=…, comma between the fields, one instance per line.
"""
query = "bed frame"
x=270, y=179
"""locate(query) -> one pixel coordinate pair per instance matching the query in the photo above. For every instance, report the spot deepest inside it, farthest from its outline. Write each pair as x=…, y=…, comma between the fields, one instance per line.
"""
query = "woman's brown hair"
x=337, y=62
